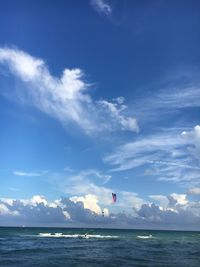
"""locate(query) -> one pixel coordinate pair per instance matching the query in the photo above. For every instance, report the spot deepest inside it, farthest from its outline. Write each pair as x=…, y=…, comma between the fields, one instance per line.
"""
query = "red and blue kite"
x=114, y=197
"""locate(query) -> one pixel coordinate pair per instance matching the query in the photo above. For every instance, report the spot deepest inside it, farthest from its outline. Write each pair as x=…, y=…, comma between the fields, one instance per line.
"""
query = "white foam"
x=102, y=236
x=144, y=236
x=76, y=235
x=45, y=234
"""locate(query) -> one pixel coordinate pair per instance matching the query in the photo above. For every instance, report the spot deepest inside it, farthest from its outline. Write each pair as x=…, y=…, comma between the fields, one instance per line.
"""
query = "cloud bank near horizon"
x=177, y=212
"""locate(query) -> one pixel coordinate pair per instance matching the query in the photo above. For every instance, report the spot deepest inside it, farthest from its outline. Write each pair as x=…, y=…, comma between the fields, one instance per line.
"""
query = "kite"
x=114, y=197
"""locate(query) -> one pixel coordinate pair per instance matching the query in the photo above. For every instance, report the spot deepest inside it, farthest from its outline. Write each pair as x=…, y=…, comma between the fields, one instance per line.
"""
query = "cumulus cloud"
x=194, y=191
x=30, y=212
x=170, y=202
x=89, y=202
x=130, y=200
x=162, y=200
x=177, y=211
x=35, y=200
x=64, y=212
x=4, y=210
x=180, y=199
x=87, y=182
x=65, y=98
x=86, y=211
x=101, y=6
x=38, y=210
x=89, y=186
x=169, y=218
x=151, y=151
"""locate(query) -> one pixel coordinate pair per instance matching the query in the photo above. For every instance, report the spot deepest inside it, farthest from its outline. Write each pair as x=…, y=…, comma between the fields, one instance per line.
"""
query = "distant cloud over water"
x=85, y=211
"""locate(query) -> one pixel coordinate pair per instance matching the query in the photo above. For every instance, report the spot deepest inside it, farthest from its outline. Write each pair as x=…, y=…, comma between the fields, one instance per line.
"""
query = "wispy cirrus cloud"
x=193, y=139
x=27, y=174
x=101, y=6
x=65, y=98
x=144, y=150
x=167, y=101
x=177, y=98
x=115, y=109
x=168, y=156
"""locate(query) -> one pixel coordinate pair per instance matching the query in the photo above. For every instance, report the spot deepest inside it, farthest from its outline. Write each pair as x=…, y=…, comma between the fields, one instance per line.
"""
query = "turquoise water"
x=99, y=247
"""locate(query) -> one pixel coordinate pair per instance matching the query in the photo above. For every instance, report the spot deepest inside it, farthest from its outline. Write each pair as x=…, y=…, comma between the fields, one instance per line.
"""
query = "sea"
x=53, y=247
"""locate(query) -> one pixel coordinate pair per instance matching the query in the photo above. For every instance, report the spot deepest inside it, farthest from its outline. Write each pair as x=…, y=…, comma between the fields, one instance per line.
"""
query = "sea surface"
x=54, y=247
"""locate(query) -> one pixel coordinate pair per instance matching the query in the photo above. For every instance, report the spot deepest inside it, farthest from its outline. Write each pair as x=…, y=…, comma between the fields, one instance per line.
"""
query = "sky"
x=100, y=97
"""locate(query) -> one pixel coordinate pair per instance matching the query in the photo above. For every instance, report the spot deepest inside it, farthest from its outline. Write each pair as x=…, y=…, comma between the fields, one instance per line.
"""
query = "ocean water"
x=54, y=247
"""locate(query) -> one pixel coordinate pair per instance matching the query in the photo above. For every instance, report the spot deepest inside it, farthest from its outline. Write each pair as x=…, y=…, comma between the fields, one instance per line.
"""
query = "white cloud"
x=178, y=98
x=166, y=102
x=174, y=209
x=30, y=212
x=101, y=6
x=170, y=202
x=38, y=210
x=180, y=218
x=86, y=183
x=115, y=109
x=89, y=187
x=25, y=66
x=152, y=151
x=86, y=210
x=65, y=98
x=194, y=191
x=162, y=200
x=142, y=151
x=193, y=139
x=180, y=198
x=89, y=201
x=8, y=201
x=90, y=174
x=5, y=211
x=28, y=174
x=38, y=200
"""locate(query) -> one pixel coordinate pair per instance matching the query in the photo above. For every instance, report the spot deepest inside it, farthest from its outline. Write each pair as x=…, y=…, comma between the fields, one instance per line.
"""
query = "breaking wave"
x=144, y=236
x=86, y=236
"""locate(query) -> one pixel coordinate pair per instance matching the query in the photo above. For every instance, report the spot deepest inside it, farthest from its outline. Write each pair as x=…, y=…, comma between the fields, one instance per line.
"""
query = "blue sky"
x=98, y=97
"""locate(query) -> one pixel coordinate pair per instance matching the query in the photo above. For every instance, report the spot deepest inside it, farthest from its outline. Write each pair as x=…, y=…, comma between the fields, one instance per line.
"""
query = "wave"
x=144, y=236
x=86, y=236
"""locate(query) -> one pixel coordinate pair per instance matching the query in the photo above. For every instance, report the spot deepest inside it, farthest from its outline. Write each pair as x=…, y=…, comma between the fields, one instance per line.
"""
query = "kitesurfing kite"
x=114, y=197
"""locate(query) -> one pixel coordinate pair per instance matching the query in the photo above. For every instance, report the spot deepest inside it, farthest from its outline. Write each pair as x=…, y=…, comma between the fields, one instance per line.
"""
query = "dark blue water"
x=99, y=247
